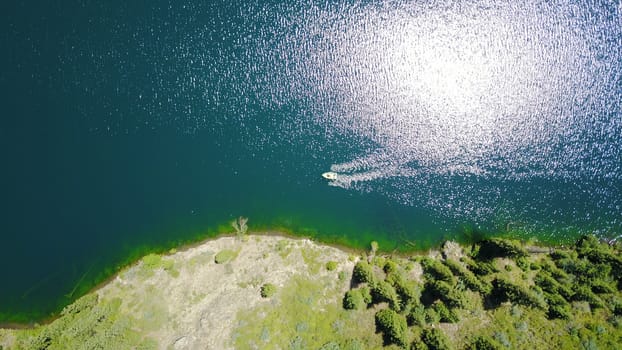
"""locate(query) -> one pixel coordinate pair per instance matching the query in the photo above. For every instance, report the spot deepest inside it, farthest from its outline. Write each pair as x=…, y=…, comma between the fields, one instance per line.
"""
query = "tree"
x=392, y=325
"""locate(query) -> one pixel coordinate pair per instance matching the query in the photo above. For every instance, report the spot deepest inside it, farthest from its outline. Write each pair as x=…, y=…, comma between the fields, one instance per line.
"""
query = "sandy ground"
x=197, y=309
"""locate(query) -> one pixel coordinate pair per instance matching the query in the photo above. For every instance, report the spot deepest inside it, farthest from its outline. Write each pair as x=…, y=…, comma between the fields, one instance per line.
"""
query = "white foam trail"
x=347, y=180
x=370, y=161
x=383, y=169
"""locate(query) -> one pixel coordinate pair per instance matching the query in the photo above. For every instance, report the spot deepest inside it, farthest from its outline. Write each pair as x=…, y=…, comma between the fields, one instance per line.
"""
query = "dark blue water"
x=132, y=127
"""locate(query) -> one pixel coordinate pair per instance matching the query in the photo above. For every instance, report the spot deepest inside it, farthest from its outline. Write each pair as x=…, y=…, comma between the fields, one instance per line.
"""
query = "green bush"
x=431, y=316
x=393, y=327
x=616, y=307
x=500, y=248
x=417, y=344
x=584, y=293
x=484, y=343
x=558, y=306
x=439, y=290
x=379, y=261
x=523, y=264
x=560, y=254
x=152, y=261
x=481, y=268
x=601, y=287
x=544, y=280
x=268, y=290
x=470, y=280
x=436, y=270
x=363, y=273
x=389, y=266
x=384, y=292
x=559, y=273
x=342, y=275
x=435, y=339
x=417, y=316
x=366, y=294
x=585, y=271
x=85, y=303
x=445, y=314
x=353, y=300
x=407, y=290
x=331, y=265
x=225, y=256
x=506, y=290
x=561, y=312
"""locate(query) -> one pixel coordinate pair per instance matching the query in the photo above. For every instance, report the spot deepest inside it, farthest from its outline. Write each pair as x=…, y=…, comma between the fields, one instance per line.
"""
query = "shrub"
x=607, y=258
x=435, y=339
x=523, y=264
x=442, y=290
x=225, y=256
x=557, y=273
x=268, y=290
x=558, y=307
x=363, y=273
x=559, y=255
x=436, y=270
x=445, y=314
x=85, y=303
x=382, y=292
x=470, y=280
x=431, y=316
x=484, y=343
x=342, y=275
x=379, y=261
x=407, y=290
x=544, y=280
x=374, y=247
x=481, y=268
x=331, y=265
x=417, y=316
x=616, y=307
x=152, y=261
x=366, y=294
x=389, y=266
x=561, y=312
x=584, y=293
x=500, y=248
x=417, y=344
x=392, y=325
x=353, y=300
x=601, y=287
x=517, y=294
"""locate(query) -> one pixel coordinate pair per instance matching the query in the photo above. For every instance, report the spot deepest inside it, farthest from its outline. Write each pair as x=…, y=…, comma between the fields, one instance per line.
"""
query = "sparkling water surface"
x=132, y=126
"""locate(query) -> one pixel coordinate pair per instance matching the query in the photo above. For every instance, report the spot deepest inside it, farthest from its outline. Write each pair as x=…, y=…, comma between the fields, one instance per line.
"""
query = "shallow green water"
x=129, y=128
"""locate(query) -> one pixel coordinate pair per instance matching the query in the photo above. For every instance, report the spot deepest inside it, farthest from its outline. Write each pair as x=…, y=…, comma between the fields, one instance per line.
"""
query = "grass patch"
x=268, y=290
x=225, y=256
x=302, y=317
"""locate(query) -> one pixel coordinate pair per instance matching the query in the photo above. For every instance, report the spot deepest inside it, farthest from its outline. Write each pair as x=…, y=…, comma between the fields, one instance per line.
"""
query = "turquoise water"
x=132, y=127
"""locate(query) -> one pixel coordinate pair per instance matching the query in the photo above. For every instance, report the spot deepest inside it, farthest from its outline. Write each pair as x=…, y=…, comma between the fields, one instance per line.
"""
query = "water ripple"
x=480, y=110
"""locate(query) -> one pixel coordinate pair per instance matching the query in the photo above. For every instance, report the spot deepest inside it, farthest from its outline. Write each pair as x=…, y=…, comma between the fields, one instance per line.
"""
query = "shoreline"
x=180, y=249
x=191, y=279
x=271, y=289
x=282, y=233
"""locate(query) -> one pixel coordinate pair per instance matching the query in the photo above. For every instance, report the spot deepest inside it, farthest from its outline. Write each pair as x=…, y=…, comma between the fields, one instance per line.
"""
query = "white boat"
x=329, y=175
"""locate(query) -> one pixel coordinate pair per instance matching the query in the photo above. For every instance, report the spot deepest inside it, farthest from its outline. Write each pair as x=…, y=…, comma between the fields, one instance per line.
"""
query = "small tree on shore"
x=240, y=226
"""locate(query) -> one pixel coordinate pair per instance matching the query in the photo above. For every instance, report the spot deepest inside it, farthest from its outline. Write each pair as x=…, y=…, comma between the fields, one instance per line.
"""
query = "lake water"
x=135, y=126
